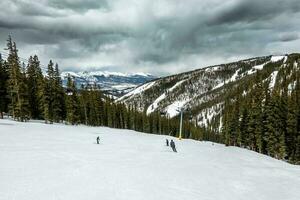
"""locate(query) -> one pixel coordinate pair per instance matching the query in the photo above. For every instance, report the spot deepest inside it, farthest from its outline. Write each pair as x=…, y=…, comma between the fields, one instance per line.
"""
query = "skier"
x=98, y=139
x=172, y=144
x=167, y=142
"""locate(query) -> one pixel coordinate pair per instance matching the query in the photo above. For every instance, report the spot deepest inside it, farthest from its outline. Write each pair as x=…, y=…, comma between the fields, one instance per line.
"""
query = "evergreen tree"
x=4, y=76
x=16, y=84
x=72, y=103
x=275, y=137
x=48, y=94
x=34, y=82
x=57, y=95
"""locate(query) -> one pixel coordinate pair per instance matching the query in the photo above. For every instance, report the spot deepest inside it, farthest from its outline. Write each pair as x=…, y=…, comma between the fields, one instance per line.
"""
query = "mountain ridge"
x=195, y=90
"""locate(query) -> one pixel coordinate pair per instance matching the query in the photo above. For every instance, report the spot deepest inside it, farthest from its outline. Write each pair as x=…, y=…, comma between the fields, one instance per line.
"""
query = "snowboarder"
x=172, y=144
x=98, y=139
x=167, y=142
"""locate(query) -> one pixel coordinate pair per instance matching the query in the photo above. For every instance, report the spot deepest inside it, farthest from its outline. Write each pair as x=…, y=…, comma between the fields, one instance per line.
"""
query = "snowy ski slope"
x=60, y=162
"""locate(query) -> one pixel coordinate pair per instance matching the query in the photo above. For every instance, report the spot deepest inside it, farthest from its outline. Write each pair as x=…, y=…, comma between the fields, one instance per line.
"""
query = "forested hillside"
x=25, y=93
x=251, y=103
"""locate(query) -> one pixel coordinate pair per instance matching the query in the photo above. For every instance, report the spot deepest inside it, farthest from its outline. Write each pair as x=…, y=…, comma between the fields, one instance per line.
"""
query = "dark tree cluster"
x=26, y=93
x=267, y=118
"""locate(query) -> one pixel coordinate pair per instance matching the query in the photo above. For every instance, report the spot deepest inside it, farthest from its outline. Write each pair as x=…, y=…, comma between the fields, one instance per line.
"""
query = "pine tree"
x=16, y=84
x=48, y=94
x=72, y=103
x=23, y=93
x=291, y=136
x=243, y=133
x=58, y=96
x=297, y=113
x=34, y=82
x=4, y=76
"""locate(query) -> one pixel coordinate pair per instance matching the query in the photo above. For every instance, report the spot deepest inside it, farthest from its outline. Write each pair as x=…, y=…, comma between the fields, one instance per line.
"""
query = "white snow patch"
x=123, y=86
x=292, y=86
x=259, y=67
x=273, y=79
x=154, y=105
x=138, y=90
x=172, y=109
x=295, y=64
x=221, y=124
x=232, y=79
x=211, y=69
x=208, y=114
x=66, y=74
x=255, y=68
x=278, y=58
x=48, y=162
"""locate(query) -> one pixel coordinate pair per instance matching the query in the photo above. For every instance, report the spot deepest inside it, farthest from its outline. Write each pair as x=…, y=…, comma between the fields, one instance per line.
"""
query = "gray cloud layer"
x=157, y=36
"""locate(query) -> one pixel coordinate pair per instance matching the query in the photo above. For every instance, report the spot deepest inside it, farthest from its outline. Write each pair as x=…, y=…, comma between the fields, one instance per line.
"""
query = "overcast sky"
x=155, y=36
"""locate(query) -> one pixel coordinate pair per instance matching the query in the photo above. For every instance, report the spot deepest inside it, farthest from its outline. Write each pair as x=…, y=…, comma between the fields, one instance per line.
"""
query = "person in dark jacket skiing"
x=167, y=142
x=98, y=139
x=172, y=144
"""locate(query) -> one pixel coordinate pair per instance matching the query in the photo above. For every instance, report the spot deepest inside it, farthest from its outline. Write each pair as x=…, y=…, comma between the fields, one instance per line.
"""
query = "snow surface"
x=212, y=69
x=278, y=58
x=295, y=64
x=138, y=90
x=232, y=79
x=172, y=109
x=273, y=79
x=154, y=105
x=208, y=113
x=54, y=162
x=259, y=67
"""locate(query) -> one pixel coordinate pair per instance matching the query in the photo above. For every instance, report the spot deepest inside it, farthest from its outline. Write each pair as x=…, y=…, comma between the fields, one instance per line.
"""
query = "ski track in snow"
x=273, y=79
x=154, y=105
x=138, y=90
x=232, y=79
x=40, y=161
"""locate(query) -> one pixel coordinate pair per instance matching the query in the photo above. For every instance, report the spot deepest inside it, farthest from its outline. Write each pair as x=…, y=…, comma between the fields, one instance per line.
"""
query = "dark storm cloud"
x=287, y=37
x=150, y=35
x=254, y=10
x=79, y=5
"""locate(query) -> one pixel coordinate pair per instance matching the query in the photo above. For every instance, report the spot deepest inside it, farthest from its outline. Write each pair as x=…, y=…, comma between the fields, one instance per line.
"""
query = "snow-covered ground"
x=54, y=162
x=138, y=90
x=174, y=109
x=154, y=105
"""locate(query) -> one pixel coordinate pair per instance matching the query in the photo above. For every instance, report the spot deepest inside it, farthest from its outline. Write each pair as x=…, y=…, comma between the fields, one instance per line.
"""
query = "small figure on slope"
x=167, y=142
x=98, y=139
x=172, y=144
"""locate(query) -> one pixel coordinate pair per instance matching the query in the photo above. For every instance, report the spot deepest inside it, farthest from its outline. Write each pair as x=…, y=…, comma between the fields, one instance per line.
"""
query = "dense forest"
x=266, y=119
x=251, y=115
x=26, y=92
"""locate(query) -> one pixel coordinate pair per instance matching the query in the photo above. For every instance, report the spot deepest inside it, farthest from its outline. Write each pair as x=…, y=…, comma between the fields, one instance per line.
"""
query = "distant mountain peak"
x=114, y=83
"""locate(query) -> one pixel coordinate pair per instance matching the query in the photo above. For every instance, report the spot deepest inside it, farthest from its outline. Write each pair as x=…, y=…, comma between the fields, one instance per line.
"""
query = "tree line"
x=28, y=93
x=266, y=119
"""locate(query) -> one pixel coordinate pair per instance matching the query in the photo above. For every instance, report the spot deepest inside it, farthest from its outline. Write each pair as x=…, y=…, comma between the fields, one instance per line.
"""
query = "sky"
x=153, y=36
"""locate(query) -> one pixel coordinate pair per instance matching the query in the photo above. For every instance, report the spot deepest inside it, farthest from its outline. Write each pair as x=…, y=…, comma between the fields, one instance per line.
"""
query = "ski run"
x=61, y=162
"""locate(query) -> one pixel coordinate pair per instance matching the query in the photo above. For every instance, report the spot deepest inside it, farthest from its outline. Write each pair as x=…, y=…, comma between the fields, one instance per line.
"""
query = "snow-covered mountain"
x=114, y=83
x=64, y=162
x=202, y=92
